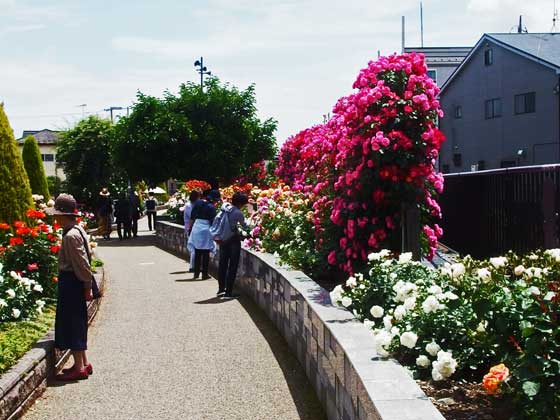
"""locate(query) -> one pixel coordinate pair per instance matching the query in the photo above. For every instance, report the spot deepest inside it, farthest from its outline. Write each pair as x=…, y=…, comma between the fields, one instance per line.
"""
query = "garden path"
x=163, y=347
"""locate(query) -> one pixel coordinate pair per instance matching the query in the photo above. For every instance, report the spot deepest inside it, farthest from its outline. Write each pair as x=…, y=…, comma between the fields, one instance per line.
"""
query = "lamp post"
x=199, y=65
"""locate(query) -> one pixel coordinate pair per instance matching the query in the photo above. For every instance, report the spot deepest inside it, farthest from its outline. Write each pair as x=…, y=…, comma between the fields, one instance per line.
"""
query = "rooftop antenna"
x=520, y=28
x=421, y=25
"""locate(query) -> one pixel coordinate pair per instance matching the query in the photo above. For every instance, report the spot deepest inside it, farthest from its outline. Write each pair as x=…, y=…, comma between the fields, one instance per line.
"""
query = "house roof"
x=543, y=48
x=44, y=136
x=441, y=55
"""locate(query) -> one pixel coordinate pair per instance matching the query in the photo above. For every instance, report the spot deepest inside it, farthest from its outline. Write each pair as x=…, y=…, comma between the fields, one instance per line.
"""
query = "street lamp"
x=199, y=64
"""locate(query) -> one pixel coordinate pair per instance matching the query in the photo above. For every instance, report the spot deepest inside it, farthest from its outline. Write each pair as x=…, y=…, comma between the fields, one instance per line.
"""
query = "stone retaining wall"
x=335, y=349
x=26, y=381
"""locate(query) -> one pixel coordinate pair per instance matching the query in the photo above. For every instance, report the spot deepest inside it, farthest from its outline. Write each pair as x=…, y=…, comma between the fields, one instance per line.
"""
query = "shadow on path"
x=302, y=392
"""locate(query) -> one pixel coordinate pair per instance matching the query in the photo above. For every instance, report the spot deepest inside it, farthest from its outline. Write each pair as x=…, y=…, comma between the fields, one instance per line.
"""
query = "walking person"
x=122, y=216
x=74, y=289
x=135, y=211
x=151, y=204
x=104, y=213
x=193, y=198
x=202, y=216
x=230, y=249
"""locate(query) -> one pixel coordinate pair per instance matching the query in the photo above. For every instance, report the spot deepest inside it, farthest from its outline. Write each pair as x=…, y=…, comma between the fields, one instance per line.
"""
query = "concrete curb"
x=335, y=349
x=27, y=380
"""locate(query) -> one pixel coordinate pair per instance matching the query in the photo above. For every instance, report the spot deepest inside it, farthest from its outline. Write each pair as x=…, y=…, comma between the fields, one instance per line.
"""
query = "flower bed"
x=492, y=321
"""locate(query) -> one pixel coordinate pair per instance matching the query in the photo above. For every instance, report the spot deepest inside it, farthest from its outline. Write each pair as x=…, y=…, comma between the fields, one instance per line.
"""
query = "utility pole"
x=199, y=65
x=113, y=108
x=83, y=106
x=421, y=25
x=403, y=37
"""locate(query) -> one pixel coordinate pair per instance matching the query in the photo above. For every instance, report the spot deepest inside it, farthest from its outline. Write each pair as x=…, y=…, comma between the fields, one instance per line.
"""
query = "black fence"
x=487, y=213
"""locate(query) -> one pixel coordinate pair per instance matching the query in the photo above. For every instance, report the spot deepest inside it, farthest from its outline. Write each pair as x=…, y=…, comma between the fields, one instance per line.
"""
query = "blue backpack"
x=221, y=229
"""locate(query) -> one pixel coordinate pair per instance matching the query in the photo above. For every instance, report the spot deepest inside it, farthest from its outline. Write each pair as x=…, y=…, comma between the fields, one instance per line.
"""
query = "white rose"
x=346, y=301
x=376, y=311
x=369, y=324
x=519, y=270
x=498, y=261
x=457, y=270
x=405, y=257
x=431, y=304
x=549, y=296
x=336, y=294
x=408, y=339
x=436, y=376
x=533, y=272
x=432, y=348
x=11, y=293
x=533, y=290
x=435, y=290
x=351, y=282
x=484, y=274
x=3, y=303
x=38, y=288
x=395, y=331
x=450, y=296
x=50, y=203
x=410, y=303
x=15, y=275
x=482, y=326
x=16, y=313
x=388, y=322
x=445, y=364
x=382, y=339
x=400, y=312
x=422, y=361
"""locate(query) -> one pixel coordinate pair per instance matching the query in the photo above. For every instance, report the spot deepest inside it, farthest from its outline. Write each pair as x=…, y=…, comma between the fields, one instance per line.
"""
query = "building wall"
x=50, y=167
x=499, y=139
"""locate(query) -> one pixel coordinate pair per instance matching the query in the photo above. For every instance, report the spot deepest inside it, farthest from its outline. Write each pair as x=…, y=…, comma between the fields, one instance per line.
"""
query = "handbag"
x=94, y=287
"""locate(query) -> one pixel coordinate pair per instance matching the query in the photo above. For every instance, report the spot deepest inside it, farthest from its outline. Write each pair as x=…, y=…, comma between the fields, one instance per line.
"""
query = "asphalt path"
x=164, y=347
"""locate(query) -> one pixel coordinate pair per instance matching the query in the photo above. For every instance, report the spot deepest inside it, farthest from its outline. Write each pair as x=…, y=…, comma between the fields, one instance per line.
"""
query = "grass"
x=16, y=338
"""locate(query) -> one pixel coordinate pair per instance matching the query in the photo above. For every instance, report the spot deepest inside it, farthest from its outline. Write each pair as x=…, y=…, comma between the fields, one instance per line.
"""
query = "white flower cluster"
x=18, y=294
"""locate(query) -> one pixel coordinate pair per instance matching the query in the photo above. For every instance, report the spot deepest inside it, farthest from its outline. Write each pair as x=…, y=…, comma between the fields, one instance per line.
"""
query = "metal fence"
x=487, y=213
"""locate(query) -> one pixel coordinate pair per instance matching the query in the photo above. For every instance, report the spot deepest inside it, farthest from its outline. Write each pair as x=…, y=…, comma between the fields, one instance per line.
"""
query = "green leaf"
x=531, y=388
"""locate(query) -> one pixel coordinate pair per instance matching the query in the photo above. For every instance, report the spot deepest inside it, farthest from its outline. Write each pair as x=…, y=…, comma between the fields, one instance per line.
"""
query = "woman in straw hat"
x=74, y=288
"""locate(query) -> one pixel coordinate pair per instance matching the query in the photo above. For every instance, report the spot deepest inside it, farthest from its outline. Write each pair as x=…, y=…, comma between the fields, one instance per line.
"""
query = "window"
x=493, y=108
x=488, y=57
x=525, y=103
x=432, y=74
x=457, y=159
x=49, y=157
x=458, y=111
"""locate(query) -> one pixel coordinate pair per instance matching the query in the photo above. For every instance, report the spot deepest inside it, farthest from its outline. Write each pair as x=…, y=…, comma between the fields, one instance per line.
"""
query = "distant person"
x=151, y=205
x=104, y=213
x=74, y=289
x=230, y=249
x=193, y=198
x=202, y=216
x=135, y=211
x=122, y=216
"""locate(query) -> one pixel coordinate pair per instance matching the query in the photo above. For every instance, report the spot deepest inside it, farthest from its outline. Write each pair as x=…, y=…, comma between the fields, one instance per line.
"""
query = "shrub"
x=34, y=167
x=15, y=193
x=55, y=185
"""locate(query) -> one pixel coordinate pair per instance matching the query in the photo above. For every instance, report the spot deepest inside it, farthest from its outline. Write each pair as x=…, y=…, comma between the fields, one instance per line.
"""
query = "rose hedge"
x=460, y=320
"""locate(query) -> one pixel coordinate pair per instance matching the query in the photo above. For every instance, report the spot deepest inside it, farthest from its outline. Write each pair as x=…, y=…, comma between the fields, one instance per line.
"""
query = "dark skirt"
x=71, y=324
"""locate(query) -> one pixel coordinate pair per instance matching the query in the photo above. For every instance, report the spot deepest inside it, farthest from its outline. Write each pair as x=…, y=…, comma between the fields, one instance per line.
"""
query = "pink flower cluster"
x=375, y=155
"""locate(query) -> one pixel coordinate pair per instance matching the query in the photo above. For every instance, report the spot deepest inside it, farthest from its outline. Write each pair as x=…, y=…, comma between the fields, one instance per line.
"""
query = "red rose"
x=32, y=267
x=16, y=241
x=55, y=249
x=4, y=226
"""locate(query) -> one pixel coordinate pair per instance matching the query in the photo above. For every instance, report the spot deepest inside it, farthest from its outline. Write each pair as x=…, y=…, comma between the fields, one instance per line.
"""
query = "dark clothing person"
x=203, y=209
x=151, y=204
x=105, y=212
x=230, y=250
x=123, y=219
x=135, y=212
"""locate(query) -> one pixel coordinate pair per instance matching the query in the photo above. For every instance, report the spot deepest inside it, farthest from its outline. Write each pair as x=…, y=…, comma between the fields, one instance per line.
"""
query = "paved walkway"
x=163, y=347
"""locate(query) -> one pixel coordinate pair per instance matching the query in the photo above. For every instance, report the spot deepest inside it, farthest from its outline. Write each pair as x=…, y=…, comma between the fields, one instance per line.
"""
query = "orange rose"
x=490, y=383
x=500, y=372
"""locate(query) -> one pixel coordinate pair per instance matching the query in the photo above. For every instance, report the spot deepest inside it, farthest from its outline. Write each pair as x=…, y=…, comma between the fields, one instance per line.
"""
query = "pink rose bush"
x=374, y=156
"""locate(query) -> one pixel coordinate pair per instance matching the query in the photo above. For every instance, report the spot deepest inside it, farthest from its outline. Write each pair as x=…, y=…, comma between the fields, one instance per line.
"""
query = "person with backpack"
x=122, y=216
x=202, y=216
x=151, y=204
x=193, y=199
x=229, y=240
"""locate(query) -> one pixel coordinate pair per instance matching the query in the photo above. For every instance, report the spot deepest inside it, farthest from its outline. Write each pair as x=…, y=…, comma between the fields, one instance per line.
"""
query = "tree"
x=15, y=192
x=34, y=167
x=55, y=185
x=84, y=154
x=210, y=134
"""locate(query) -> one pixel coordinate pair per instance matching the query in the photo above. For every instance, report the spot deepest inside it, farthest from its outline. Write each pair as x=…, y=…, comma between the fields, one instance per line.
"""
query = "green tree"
x=84, y=154
x=15, y=192
x=55, y=185
x=210, y=134
x=34, y=167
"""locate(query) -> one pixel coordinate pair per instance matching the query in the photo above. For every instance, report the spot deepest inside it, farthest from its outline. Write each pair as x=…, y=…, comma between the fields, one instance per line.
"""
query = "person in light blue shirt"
x=193, y=198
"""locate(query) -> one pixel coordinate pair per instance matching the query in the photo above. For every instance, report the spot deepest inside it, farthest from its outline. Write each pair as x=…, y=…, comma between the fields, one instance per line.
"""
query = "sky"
x=302, y=55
